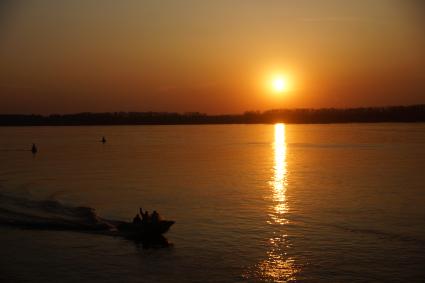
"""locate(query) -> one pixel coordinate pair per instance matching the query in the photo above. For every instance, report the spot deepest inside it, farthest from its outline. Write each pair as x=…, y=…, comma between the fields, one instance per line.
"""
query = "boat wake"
x=50, y=215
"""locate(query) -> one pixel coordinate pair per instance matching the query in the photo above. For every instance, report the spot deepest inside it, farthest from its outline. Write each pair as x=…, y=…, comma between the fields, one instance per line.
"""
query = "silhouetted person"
x=137, y=219
x=155, y=217
x=145, y=217
x=103, y=140
x=34, y=149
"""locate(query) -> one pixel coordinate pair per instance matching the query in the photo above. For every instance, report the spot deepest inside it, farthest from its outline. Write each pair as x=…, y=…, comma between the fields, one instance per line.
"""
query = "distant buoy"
x=34, y=148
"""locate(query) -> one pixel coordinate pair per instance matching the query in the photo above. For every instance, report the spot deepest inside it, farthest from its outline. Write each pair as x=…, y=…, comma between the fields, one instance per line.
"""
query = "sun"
x=280, y=84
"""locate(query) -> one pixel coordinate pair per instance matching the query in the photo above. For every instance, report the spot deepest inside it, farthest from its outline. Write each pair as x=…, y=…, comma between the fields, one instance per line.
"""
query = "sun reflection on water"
x=278, y=266
x=279, y=179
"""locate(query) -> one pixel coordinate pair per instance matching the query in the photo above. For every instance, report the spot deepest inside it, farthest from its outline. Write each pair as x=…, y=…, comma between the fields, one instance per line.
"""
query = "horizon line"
x=218, y=114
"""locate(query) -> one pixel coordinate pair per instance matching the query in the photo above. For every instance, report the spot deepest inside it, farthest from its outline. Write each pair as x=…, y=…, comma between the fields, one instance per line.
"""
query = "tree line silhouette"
x=413, y=113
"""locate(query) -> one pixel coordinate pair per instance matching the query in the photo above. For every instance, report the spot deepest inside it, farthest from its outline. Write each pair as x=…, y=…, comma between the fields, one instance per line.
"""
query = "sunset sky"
x=216, y=56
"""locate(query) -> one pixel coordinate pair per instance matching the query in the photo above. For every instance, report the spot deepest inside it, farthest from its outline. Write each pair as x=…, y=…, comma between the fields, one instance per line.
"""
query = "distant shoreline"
x=391, y=114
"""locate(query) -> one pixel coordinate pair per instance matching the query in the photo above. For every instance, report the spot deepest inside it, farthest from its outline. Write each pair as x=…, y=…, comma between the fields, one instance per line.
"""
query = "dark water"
x=307, y=203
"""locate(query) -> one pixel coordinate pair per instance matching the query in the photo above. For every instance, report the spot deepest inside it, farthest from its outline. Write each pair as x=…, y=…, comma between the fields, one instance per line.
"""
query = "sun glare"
x=280, y=84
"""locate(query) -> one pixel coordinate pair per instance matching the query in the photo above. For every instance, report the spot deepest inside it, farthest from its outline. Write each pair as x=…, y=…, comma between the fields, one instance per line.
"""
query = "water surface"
x=307, y=203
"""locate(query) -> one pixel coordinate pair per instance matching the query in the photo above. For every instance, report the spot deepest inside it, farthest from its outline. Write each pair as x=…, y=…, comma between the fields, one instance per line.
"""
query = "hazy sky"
x=209, y=56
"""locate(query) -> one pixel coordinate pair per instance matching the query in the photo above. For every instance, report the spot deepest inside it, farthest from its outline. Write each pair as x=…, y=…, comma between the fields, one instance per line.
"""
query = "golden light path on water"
x=279, y=180
x=278, y=267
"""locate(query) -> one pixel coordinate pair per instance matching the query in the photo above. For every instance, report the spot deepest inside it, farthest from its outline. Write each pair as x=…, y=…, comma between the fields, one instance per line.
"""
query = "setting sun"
x=280, y=84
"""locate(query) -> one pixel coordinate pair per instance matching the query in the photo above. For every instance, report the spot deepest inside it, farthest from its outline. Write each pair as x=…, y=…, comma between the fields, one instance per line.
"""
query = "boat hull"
x=144, y=230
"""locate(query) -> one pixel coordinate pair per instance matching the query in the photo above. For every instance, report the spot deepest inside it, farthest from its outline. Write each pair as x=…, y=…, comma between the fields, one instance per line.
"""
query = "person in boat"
x=34, y=148
x=155, y=217
x=137, y=220
x=146, y=217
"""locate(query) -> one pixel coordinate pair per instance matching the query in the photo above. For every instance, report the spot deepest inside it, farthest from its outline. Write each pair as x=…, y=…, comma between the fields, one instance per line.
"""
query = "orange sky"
x=208, y=56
